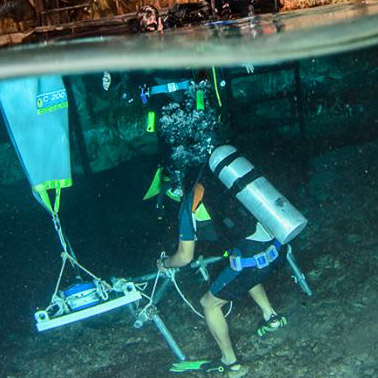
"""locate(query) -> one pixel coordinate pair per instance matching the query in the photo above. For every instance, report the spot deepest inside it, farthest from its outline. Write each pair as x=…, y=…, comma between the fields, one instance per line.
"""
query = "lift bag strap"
x=41, y=191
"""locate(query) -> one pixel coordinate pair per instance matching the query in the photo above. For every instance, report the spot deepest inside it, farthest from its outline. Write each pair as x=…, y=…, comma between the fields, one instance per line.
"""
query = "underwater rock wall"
x=335, y=95
x=113, y=129
x=335, y=92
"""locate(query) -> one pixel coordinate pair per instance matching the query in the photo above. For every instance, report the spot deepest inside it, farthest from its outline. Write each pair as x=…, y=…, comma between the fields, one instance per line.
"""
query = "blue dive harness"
x=170, y=87
x=146, y=92
x=259, y=261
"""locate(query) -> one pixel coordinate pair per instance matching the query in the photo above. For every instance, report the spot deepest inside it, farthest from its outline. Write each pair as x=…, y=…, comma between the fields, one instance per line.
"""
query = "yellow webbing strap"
x=216, y=87
x=201, y=213
x=198, y=208
x=41, y=190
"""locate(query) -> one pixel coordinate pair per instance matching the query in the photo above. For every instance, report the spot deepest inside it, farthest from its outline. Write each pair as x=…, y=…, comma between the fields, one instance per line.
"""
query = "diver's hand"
x=160, y=25
x=249, y=67
x=160, y=265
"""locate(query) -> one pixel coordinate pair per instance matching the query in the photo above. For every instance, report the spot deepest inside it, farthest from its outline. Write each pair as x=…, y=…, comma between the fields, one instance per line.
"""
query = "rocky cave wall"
x=20, y=16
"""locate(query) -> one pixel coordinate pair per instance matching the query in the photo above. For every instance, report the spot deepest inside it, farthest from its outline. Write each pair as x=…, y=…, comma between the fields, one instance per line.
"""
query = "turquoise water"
x=308, y=122
x=263, y=39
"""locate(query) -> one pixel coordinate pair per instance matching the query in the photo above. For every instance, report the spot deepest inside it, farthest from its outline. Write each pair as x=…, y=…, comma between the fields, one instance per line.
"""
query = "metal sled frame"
x=44, y=325
x=150, y=312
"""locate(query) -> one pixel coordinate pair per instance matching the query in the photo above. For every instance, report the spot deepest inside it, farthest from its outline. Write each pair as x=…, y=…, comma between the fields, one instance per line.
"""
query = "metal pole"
x=195, y=264
x=147, y=277
x=168, y=337
x=161, y=291
x=298, y=275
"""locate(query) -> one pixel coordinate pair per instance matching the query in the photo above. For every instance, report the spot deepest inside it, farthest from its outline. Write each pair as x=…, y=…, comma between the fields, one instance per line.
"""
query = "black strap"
x=243, y=181
x=226, y=161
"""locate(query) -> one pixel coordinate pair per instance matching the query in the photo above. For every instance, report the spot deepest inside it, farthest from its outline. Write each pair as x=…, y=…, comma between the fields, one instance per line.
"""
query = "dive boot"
x=207, y=366
x=274, y=323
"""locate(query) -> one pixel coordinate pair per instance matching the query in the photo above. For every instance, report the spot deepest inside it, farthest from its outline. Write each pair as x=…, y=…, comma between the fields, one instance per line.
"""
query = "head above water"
x=148, y=17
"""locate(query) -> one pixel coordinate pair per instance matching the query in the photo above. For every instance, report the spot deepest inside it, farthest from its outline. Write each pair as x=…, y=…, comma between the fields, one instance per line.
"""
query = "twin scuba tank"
x=257, y=194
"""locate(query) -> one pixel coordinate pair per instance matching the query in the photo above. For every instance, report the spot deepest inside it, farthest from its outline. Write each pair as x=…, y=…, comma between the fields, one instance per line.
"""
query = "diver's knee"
x=206, y=300
x=209, y=301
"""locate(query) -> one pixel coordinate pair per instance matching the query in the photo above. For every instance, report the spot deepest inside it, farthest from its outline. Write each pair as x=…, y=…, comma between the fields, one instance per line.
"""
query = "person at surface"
x=182, y=14
x=149, y=19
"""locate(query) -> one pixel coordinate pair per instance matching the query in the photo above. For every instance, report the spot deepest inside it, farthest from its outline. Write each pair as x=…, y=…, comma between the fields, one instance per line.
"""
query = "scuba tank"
x=257, y=194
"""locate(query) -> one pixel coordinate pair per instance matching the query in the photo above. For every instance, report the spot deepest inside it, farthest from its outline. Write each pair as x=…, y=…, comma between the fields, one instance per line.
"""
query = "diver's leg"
x=218, y=326
x=259, y=296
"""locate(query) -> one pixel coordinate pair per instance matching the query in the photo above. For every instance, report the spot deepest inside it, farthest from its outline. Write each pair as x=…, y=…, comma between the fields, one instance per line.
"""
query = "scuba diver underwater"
x=228, y=197
x=222, y=196
x=183, y=110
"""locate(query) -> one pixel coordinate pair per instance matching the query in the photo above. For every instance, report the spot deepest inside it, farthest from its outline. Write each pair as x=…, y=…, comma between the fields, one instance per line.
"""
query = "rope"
x=74, y=261
x=155, y=284
x=102, y=286
x=60, y=303
x=64, y=258
x=171, y=273
x=184, y=299
x=142, y=286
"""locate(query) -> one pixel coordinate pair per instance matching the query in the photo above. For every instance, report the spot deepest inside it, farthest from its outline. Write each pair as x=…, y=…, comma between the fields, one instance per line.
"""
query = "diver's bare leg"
x=218, y=326
x=259, y=296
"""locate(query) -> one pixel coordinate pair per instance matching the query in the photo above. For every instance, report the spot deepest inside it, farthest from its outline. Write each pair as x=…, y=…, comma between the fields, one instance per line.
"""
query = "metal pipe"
x=299, y=277
x=195, y=264
x=161, y=291
x=201, y=262
x=147, y=277
x=168, y=337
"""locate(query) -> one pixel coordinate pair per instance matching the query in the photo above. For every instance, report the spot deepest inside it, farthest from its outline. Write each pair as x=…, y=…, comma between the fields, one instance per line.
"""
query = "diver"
x=208, y=209
x=190, y=14
x=183, y=111
x=149, y=20
x=188, y=124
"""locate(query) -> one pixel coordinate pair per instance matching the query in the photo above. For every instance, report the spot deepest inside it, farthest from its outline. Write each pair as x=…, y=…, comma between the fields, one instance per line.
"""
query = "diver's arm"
x=183, y=256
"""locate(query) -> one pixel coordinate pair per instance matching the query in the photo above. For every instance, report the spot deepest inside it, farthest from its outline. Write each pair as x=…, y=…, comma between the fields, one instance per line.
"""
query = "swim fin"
x=156, y=185
x=180, y=367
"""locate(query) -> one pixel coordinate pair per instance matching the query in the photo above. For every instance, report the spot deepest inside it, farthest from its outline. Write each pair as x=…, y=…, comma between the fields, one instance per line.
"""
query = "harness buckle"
x=144, y=94
x=261, y=260
x=172, y=87
x=235, y=263
x=272, y=253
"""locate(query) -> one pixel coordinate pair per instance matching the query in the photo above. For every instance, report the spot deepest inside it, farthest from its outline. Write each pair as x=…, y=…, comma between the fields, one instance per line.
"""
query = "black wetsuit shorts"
x=232, y=285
